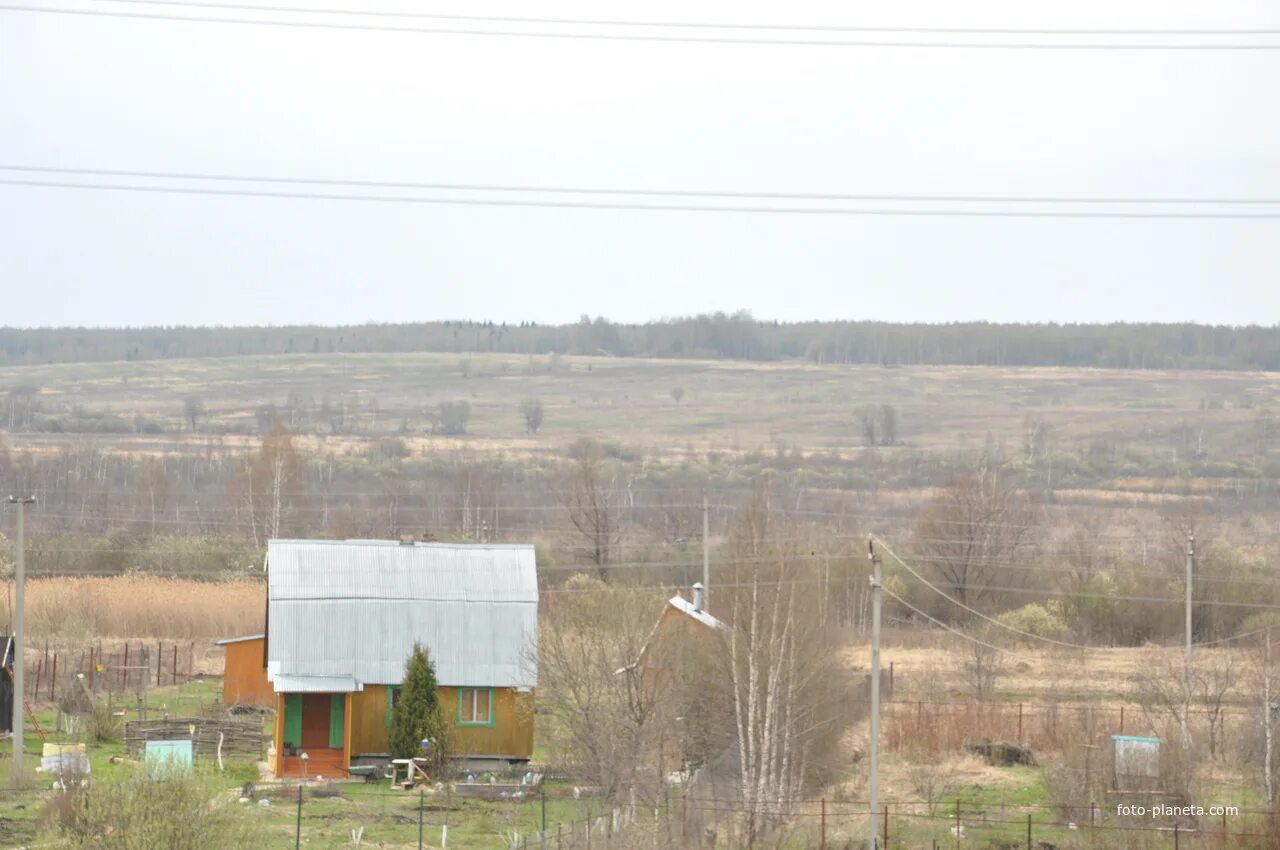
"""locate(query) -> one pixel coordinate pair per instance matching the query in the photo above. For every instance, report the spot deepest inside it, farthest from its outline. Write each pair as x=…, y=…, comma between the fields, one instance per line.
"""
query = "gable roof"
x=349, y=611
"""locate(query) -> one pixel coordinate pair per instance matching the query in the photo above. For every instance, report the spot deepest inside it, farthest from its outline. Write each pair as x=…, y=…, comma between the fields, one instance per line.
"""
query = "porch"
x=314, y=725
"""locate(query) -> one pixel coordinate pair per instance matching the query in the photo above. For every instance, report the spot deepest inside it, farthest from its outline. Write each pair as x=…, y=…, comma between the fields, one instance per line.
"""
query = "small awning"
x=316, y=684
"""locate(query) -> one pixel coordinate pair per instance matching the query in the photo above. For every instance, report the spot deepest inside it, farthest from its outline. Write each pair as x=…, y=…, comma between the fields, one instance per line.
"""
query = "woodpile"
x=241, y=736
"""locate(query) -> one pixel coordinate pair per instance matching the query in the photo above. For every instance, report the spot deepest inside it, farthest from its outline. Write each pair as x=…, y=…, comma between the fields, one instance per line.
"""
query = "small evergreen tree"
x=416, y=715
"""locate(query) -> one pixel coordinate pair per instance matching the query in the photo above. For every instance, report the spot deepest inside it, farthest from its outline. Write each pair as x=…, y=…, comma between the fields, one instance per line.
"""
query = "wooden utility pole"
x=1266, y=719
x=706, y=555
x=1186, y=662
x=19, y=628
x=874, y=754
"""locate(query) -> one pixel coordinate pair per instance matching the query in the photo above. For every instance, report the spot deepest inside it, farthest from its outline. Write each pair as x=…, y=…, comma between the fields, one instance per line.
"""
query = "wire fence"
x=113, y=671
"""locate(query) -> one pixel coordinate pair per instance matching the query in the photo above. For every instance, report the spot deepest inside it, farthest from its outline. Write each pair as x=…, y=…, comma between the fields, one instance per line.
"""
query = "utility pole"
x=19, y=581
x=1186, y=661
x=706, y=554
x=874, y=760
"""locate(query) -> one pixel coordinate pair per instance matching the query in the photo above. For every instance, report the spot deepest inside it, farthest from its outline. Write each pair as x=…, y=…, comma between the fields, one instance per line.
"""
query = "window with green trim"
x=475, y=706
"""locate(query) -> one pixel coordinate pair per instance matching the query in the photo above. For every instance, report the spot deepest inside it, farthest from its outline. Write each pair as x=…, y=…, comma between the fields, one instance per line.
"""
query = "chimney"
x=407, y=540
x=697, y=596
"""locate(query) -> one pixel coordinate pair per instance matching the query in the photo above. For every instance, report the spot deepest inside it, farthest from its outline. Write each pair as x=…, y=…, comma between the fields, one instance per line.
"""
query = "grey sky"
x=157, y=95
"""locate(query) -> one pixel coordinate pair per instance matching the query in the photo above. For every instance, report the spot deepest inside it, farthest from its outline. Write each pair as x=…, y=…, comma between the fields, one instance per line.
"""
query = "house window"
x=475, y=706
x=393, y=699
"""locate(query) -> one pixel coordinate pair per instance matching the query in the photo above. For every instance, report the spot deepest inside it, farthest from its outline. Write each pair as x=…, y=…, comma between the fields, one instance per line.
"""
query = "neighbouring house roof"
x=243, y=639
x=352, y=610
x=684, y=606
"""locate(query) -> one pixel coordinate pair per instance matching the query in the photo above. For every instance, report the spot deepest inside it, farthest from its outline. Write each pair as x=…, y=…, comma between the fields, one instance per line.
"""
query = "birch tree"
x=781, y=666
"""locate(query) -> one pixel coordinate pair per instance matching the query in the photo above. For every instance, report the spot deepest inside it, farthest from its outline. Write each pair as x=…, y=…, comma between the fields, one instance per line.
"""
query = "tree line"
x=717, y=335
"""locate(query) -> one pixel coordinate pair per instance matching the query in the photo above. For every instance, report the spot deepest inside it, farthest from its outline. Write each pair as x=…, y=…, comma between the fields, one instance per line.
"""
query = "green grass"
x=388, y=815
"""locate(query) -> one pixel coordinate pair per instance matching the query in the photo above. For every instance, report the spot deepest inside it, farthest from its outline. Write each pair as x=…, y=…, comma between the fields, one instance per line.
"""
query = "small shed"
x=244, y=676
x=1135, y=762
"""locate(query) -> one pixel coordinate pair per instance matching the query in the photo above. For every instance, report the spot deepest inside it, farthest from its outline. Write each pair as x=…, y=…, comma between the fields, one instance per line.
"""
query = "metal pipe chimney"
x=697, y=596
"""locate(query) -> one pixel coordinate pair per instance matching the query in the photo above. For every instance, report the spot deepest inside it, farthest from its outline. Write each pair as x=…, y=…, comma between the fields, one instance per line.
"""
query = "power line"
x=591, y=205
x=955, y=601
x=587, y=36
x=951, y=629
x=693, y=24
x=681, y=193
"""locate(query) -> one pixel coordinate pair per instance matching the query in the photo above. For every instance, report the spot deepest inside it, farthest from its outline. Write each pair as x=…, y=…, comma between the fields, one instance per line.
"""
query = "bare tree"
x=454, y=416
x=677, y=393
x=869, y=424
x=781, y=668
x=1215, y=681
x=531, y=410
x=270, y=483
x=193, y=411
x=593, y=506
x=888, y=425
x=982, y=670
x=973, y=533
x=604, y=706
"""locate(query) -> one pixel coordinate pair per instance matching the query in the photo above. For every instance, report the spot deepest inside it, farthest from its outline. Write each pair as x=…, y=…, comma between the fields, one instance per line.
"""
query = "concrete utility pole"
x=19, y=686
x=706, y=554
x=1186, y=662
x=874, y=754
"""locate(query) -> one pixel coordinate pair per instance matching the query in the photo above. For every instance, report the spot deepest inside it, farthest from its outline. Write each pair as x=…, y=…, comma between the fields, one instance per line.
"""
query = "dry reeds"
x=138, y=606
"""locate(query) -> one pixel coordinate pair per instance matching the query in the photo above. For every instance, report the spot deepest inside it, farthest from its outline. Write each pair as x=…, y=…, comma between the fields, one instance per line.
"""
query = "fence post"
x=35, y=691
x=422, y=805
x=159, y=660
x=957, y=820
x=1175, y=837
x=175, y=664
x=684, y=816
x=558, y=834
x=53, y=679
x=124, y=669
x=886, y=825
x=297, y=835
x=1028, y=831
x=1122, y=720
x=822, y=826
x=1020, y=739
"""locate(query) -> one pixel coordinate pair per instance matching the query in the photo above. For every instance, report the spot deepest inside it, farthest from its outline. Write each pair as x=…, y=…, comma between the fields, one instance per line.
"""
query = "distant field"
x=726, y=406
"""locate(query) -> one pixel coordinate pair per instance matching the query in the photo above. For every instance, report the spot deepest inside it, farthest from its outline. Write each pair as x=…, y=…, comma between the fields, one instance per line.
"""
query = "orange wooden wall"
x=244, y=679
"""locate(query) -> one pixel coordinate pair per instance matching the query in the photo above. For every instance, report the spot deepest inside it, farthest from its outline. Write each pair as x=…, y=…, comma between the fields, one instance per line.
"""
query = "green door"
x=337, y=708
x=293, y=720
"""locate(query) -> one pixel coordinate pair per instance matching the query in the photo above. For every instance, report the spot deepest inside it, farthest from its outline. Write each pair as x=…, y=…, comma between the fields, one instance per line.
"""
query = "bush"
x=133, y=812
x=454, y=416
x=1040, y=620
x=105, y=727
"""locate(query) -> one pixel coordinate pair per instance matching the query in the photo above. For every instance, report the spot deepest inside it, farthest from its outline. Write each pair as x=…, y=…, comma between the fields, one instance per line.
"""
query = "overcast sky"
x=108, y=93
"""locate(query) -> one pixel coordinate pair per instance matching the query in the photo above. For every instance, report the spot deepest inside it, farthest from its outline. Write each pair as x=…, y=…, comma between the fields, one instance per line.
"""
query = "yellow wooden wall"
x=511, y=734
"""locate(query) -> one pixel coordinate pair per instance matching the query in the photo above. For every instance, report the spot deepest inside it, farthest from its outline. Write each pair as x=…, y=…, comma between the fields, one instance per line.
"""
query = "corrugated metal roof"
x=355, y=608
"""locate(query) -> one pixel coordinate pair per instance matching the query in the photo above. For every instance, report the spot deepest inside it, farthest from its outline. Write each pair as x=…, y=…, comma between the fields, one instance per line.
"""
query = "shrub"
x=105, y=727
x=133, y=812
x=1034, y=618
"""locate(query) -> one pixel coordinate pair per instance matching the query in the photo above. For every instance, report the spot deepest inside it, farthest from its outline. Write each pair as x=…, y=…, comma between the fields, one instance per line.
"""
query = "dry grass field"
x=67, y=610
x=727, y=407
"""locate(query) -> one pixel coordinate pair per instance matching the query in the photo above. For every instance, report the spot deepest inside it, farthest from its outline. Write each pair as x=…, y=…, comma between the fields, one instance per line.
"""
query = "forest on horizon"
x=737, y=336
